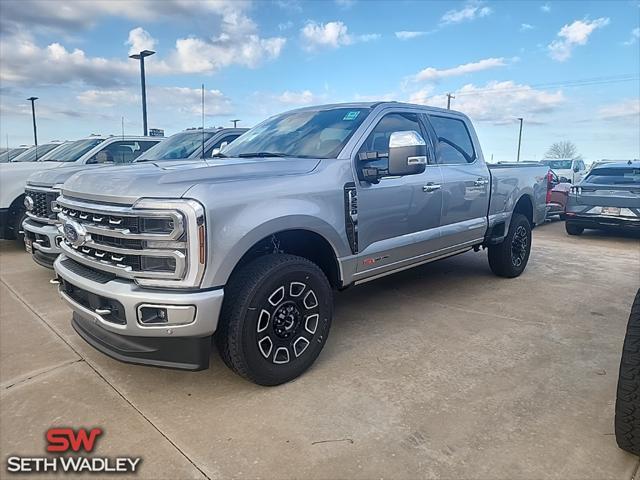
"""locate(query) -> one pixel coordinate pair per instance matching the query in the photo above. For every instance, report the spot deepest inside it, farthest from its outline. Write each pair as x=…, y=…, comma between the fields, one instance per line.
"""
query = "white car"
x=572, y=170
x=91, y=150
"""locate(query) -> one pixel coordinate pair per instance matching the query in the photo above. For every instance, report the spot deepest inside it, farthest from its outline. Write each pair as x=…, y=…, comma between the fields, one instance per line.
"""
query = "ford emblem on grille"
x=74, y=233
x=28, y=203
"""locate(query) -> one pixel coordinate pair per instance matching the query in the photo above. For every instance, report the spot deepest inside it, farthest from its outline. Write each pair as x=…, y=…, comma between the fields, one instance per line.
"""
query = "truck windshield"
x=305, y=134
x=72, y=151
x=558, y=164
x=614, y=176
x=180, y=145
x=35, y=153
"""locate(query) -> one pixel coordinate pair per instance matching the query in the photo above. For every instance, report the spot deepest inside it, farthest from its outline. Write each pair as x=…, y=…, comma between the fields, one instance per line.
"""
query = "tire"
x=509, y=258
x=573, y=229
x=277, y=303
x=627, y=416
x=20, y=216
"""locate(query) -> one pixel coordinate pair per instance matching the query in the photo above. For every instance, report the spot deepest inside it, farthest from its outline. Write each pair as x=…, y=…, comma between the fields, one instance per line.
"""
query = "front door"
x=398, y=218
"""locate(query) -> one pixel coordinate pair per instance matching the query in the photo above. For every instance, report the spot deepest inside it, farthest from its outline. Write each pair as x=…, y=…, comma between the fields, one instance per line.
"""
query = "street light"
x=519, y=138
x=33, y=114
x=140, y=56
x=235, y=122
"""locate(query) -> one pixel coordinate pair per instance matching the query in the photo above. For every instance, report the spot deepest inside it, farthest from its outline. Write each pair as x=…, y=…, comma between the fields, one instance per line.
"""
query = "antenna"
x=203, y=121
x=122, y=128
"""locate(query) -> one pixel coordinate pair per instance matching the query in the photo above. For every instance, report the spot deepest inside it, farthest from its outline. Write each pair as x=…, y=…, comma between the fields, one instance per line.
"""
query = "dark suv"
x=608, y=197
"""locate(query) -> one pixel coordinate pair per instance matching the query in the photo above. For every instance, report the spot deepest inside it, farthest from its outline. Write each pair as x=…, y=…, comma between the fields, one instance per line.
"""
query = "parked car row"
x=159, y=258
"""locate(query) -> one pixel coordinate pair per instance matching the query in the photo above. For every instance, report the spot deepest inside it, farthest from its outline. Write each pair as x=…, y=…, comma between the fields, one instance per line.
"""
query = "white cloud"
x=470, y=11
x=331, y=35
x=345, y=3
x=26, y=62
x=189, y=101
x=635, y=35
x=69, y=16
x=497, y=102
x=433, y=74
x=629, y=108
x=305, y=97
x=107, y=98
x=408, y=35
x=546, y=8
x=526, y=26
x=139, y=39
x=572, y=35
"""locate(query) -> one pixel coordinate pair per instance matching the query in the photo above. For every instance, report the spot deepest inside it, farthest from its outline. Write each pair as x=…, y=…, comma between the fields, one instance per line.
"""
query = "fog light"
x=153, y=315
x=158, y=264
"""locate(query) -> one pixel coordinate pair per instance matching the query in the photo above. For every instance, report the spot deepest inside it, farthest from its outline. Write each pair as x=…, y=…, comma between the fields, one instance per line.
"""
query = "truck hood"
x=126, y=184
x=23, y=168
x=51, y=177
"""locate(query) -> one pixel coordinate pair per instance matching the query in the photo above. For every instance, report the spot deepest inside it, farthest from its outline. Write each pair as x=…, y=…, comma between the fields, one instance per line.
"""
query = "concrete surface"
x=443, y=371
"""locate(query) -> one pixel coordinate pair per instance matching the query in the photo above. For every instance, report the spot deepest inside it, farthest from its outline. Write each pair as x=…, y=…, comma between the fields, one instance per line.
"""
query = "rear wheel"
x=627, y=417
x=509, y=258
x=573, y=229
x=275, y=318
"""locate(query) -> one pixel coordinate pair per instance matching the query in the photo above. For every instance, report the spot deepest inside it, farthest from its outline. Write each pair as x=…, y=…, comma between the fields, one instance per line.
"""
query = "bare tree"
x=563, y=149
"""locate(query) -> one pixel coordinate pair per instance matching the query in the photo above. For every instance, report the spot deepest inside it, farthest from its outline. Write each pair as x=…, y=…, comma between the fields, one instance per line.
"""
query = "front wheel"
x=20, y=216
x=509, y=258
x=275, y=318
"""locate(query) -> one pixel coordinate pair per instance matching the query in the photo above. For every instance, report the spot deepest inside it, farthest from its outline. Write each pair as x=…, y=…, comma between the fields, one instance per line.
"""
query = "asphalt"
x=443, y=371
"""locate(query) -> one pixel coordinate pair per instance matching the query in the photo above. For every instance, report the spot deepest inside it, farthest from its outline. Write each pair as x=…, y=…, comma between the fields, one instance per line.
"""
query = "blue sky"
x=570, y=69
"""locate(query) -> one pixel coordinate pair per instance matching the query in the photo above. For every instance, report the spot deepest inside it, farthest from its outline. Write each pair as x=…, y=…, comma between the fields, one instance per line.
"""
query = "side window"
x=374, y=152
x=226, y=140
x=454, y=142
x=121, y=152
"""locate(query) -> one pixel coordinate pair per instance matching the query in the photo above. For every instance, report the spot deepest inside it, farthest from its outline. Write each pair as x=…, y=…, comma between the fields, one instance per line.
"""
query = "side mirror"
x=215, y=151
x=576, y=169
x=407, y=153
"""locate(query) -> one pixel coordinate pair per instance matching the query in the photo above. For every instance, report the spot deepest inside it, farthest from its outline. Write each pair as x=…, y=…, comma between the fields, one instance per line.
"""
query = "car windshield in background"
x=614, y=176
x=35, y=153
x=72, y=151
x=305, y=134
x=11, y=154
x=180, y=145
x=558, y=164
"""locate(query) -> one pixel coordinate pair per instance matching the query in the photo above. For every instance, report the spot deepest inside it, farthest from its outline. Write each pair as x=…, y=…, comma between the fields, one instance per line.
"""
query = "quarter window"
x=374, y=152
x=454, y=142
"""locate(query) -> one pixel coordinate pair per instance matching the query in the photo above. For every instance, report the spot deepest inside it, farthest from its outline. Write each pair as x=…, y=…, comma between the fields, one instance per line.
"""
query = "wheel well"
x=525, y=207
x=303, y=243
x=12, y=213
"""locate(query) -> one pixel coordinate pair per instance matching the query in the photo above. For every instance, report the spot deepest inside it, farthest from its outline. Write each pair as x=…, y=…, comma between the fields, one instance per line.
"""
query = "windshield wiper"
x=262, y=154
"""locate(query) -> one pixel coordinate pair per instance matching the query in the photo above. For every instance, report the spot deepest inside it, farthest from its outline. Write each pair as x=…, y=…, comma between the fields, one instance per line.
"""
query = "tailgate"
x=608, y=196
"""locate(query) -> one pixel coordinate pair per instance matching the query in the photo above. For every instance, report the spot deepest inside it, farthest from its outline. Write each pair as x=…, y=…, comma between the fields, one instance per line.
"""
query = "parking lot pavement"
x=441, y=371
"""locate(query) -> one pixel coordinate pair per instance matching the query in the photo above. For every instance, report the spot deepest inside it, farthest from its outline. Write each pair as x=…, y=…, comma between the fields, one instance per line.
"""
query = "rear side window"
x=614, y=176
x=454, y=142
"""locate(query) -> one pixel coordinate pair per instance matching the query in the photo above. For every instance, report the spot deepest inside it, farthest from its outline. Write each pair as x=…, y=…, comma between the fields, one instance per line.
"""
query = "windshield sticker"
x=351, y=115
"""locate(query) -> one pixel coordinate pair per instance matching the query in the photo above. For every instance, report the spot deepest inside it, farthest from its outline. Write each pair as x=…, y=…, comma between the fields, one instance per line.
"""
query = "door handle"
x=481, y=182
x=430, y=187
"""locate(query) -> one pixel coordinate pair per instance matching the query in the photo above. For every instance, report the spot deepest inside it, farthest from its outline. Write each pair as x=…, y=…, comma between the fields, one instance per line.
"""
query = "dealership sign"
x=72, y=442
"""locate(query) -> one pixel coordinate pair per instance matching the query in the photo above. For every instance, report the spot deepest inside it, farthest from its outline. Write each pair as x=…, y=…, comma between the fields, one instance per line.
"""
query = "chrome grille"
x=42, y=203
x=149, y=242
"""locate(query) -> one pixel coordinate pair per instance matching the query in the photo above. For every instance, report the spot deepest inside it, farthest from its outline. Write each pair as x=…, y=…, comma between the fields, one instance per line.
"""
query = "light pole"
x=449, y=97
x=235, y=122
x=33, y=114
x=519, y=139
x=140, y=56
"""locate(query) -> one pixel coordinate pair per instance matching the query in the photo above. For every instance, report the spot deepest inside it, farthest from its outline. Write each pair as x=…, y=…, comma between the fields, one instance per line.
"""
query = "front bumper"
x=44, y=240
x=121, y=335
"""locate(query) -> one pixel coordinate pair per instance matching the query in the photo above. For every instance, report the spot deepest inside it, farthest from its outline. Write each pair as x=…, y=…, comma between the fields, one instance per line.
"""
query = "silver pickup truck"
x=161, y=259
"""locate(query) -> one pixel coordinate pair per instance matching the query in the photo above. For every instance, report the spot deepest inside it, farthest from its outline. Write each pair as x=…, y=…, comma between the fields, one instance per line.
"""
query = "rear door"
x=398, y=217
x=465, y=182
